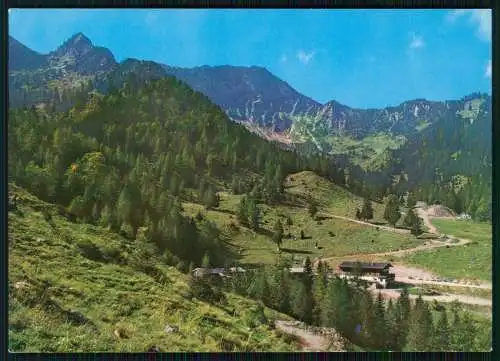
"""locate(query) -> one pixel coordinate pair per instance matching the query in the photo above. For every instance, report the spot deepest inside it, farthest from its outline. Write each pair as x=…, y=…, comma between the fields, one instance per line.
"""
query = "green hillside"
x=71, y=286
x=334, y=237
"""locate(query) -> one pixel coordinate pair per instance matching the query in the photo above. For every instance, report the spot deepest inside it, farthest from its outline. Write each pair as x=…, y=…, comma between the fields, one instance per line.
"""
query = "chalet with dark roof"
x=365, y=267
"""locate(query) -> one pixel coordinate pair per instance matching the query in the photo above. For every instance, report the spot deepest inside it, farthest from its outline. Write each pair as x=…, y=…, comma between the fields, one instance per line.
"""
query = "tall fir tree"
x=421, y=328
x=278, y=233
x=441, y=338
x=302, y=303
x=392, y=212
x=367, y=210
x=242, y=213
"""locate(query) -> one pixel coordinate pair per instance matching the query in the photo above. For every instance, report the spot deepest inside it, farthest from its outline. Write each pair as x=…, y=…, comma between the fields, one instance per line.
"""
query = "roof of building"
x=217, y=271
x=364, y=265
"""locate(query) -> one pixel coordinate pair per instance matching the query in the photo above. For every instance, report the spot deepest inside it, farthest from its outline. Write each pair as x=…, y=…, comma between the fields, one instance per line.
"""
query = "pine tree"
x=262, y=290
x=302, y=303
x=392, y=212
x=378, y=330
x=319, y=290
x=312, y=208
x=463, y=332
x=421, y=329
x=367, y=210
x=329, y=311
x=416, y=229
x=235, y=185
x=278, y=233
x=410, y=218
x=411, y=201
x=441, y=338
x=308, y=271
x=393, y=317
x=242, y=213
x=254, y=212
x=366, y=317
x=210, y=198
x=282, y=294
x=105, y=216
x=289, y=223
x=413, y=222
x=404, y=309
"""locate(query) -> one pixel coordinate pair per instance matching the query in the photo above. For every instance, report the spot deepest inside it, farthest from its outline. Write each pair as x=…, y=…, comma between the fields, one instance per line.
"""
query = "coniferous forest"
x=126, y=160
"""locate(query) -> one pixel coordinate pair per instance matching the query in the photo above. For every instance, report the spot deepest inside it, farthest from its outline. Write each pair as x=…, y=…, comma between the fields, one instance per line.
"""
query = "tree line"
x=348, y=307
x=393, y=213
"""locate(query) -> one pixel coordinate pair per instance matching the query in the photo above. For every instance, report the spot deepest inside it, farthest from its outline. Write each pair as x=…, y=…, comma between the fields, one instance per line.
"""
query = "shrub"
x=203, y=291
x=111, y=254
x=255, y=316
x=89, y=250
x=170, y=258
x=127, y=231
x=46, y=215
x=181, y=266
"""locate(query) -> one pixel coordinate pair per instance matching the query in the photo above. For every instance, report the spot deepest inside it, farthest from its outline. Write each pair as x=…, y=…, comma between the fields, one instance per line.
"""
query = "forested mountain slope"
x=415, y=141
x=128, y=157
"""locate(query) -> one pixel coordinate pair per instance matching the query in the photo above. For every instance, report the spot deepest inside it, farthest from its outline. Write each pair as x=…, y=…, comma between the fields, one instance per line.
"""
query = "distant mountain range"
x=256, y=98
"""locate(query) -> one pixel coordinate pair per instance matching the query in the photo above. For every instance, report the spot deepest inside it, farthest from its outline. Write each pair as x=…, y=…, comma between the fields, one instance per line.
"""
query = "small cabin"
x=297, y=269
x=373, y=272
x=202, y=272
x=365, y=267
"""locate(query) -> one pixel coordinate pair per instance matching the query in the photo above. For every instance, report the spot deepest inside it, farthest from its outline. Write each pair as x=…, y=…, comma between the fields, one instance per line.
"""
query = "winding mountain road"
x=414, y=275
x=429, y=243
x=385, y=228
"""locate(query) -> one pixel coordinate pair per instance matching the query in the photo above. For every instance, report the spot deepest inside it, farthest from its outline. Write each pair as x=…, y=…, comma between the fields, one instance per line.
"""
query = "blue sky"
x=361, y=58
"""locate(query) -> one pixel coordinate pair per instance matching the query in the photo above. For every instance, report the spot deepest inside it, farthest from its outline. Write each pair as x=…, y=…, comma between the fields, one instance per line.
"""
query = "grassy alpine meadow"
x=471, y=261
x=334, y=237
x=80, y=288
x=330, y=197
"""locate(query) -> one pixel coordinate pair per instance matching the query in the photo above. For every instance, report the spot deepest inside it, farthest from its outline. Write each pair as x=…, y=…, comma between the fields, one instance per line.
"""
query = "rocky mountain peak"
x=77, y=46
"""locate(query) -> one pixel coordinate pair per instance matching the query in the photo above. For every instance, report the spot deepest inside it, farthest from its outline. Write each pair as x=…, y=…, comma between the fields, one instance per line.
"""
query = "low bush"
x=89, y=250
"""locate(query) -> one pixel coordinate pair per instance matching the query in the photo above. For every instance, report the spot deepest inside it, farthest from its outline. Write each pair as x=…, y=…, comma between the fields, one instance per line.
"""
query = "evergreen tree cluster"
x=374, y=324
x=127, y=159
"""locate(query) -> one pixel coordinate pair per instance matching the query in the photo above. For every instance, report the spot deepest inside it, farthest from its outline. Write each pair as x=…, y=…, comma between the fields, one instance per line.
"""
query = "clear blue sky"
x=361, y=58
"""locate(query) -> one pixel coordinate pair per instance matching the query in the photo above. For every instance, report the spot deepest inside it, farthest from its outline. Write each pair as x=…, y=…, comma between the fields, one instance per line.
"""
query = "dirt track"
x=385, y=228
x=429, y=243
x=440, y=298
x=311, y=342
x=413, y=275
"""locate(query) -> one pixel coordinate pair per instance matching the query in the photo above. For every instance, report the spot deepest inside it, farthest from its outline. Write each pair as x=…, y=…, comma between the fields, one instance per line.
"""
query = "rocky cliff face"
x=250, y=94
